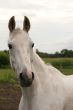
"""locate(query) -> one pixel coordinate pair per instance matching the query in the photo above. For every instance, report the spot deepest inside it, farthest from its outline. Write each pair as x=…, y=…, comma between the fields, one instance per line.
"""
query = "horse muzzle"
x=25, y=81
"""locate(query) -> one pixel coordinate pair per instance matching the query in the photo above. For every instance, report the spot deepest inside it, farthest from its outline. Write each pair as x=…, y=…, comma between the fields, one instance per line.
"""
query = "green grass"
x=65, y=65
x=60, y=61
x=7, y=75
x=67, y=71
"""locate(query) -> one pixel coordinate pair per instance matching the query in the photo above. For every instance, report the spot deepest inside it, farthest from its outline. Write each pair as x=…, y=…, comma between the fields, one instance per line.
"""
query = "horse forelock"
x=16, y=32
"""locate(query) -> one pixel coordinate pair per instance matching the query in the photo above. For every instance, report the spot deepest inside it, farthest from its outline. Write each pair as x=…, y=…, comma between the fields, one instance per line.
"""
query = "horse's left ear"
x=26, y=24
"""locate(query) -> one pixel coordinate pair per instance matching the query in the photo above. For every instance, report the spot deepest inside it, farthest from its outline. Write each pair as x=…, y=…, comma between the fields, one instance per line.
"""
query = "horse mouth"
x=25, y=84
x=24, y=81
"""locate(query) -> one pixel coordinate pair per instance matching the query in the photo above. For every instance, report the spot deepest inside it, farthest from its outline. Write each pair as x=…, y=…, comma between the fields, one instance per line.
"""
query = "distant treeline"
x=63, y=53
x=5, y=63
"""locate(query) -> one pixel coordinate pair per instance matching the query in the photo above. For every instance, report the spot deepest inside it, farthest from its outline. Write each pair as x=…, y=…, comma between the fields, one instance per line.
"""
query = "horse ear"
x=26, y=24
x=11, y=24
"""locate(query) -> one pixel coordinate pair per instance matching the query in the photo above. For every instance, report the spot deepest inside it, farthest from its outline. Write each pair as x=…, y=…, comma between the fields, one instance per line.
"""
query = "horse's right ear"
x=11, y=24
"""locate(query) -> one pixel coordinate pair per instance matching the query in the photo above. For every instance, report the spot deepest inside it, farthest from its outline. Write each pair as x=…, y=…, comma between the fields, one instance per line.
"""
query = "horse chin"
x=25, y=84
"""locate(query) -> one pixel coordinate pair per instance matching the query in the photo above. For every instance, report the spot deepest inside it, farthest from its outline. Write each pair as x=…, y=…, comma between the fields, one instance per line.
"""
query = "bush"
x=4, y=59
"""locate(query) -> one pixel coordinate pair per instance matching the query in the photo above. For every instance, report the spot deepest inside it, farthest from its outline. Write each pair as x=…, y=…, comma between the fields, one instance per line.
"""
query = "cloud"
x=51, y=22
x=50, y=10
x=63, y=45
x=52, y=36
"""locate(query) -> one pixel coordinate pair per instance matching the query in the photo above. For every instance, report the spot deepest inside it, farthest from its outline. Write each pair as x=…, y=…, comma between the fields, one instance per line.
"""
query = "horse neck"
x=42, y=70
x=38, y=64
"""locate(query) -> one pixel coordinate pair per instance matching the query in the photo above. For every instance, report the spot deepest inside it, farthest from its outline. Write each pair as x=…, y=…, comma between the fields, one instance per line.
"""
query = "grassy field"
x=7, y=75
x=65, y=65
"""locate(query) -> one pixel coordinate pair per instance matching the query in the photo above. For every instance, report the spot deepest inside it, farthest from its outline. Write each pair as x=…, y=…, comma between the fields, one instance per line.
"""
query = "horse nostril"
x=10, y=46
x=32, y=75
x=21, y=75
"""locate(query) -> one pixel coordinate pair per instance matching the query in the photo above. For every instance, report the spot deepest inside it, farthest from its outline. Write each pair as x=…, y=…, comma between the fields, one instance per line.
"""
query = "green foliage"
x=63, y=54
x=4, y=59
x=41, y=54
x=66, y=53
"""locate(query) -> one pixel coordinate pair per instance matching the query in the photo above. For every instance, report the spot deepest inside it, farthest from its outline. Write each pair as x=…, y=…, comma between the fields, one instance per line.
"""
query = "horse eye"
x=32, y=45
x=10, y=46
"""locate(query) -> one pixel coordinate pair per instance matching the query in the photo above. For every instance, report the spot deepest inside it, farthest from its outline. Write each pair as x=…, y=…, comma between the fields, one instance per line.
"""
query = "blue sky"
x=51, y=22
